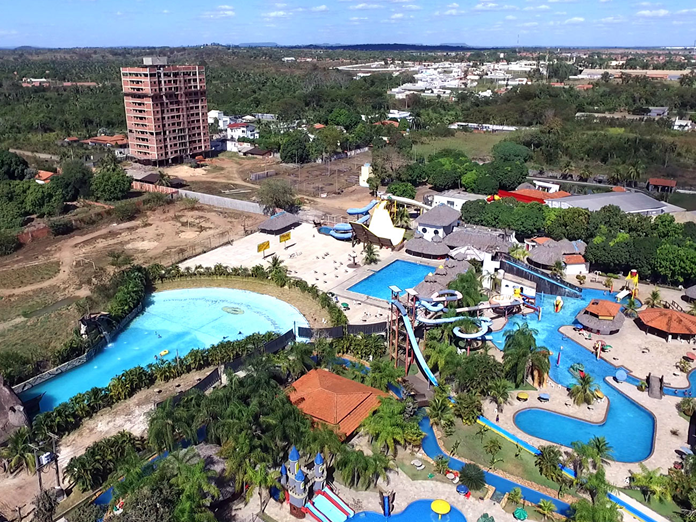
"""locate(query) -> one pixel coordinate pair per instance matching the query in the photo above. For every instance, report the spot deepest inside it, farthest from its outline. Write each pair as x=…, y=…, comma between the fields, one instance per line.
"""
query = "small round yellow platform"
x=163, y=353
x=440, y=507
x=599, y=394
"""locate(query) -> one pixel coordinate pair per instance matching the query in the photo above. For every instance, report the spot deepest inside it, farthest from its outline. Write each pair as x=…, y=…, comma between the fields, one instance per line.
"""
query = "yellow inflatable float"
x=163, y=353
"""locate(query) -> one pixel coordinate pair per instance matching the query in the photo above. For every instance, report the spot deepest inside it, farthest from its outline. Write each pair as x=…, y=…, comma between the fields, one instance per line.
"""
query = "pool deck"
x=318, y=259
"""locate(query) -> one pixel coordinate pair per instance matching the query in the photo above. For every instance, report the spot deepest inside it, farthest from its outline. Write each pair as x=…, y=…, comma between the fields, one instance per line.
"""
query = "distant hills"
x=389, y=47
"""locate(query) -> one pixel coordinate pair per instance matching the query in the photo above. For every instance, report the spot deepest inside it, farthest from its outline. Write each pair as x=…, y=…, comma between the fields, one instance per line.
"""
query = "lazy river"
x=177, y=321
x=628, y=427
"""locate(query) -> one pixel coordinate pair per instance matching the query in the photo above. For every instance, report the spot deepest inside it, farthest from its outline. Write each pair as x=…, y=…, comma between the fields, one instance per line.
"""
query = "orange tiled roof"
x=541, y=240
x=44, y=175
x=384, y=123
x=661, y=182
x=618, y=189
x=602, y=308
x=334, y=400
x=669, y=321
x=117, y=139
x=540, y=194
x=574, y=259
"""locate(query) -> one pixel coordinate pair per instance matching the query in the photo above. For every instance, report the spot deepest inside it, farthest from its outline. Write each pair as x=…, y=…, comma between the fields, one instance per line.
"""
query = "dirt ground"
x=327, y=188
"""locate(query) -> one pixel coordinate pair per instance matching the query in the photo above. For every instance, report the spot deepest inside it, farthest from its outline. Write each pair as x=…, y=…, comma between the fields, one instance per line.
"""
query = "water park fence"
x=337, y=332
x=202, y=247
x=100, y=343
x=219, y=201
x=546, y=283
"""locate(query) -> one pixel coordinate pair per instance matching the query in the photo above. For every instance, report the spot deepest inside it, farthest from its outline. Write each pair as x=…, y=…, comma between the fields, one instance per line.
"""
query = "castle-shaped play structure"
x=307, y=492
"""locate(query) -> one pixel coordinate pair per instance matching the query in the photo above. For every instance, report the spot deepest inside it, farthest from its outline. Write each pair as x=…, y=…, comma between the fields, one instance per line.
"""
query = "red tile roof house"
x=330, y=399
x=661, y=185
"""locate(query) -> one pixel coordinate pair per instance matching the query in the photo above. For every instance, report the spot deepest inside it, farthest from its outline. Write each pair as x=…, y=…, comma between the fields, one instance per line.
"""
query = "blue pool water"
x=403, y=274
x=418, y=511
x=624, y=418
x=178, y=321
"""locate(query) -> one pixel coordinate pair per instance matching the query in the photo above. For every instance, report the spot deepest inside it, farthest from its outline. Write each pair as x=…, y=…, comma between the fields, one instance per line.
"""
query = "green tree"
x=515, y=496
x=499, y=392
x=651, y=483
x=508, y=174
x=440, y=412
x=545, y=508
x=45, y=504
x=263, y=480
x=75, y=180
x=370, y=254
x=18, y=453
x=402, y=189
x=548, y=462
x=584, y=389
x=654, y=300
x=492, y=447
x=467, y=406
x=110, y=184
x=522, y=357
x=12, y=166
x=472, y=476
x=511, y=151
x=276, y=193
x=295, y=148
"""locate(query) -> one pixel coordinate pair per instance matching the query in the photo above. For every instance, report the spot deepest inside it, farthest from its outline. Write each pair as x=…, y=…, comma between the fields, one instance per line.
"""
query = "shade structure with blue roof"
x=462, y=489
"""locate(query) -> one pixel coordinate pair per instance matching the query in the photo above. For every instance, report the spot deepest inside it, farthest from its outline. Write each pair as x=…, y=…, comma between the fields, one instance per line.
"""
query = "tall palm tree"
x=651, y=483
x=631, y=308
x=402, y=218
x=582, y=455
x=162, y=430
x=519, y=252
x=499, y=392
x=548, y=462
x=440, y=412
x=558, y=269
x=382, y=373
x=596, y=484
x=370, y=254
x=522, y=357
x=18, y=453
x=602, y=450
x=262, y=479
x=353, y=466
x=654, y=299
x=442, y=358
x=583, y=391
x=467, y=406
x=276, y=266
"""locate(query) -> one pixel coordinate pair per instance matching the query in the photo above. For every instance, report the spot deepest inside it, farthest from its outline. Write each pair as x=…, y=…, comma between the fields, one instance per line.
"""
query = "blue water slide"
x=340, y=235
x=363, y=210
x=364, y=219
x=431, y=306
x=338, y=501
x=328, y=509
x=483, y=322
x=414, y=343
x=318, y=515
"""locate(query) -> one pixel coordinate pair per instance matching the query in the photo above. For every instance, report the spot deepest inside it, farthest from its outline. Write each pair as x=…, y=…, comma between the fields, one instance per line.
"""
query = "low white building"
x=365, y=173
x=242, y=130
x=438, y=221
x=451, y=198
x=545, y=186
x=509, y=283
x=575, y=264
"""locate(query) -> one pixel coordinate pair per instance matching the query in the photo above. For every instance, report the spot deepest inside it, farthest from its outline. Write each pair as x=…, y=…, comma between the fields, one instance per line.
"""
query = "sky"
x=104, y=23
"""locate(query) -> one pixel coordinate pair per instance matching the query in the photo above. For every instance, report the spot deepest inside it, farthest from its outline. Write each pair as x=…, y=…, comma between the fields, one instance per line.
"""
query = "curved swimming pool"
x=628, y=427
x=418, y=511
x=178, y=321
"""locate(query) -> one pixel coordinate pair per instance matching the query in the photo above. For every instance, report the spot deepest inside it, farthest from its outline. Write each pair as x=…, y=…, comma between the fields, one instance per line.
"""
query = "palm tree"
x=472, y=476
x=193, y=481
x=582, y=455
x=276, y=266
x=522, y=357
x=18, y=453
x=519, y=252
x=545, y=508
x=602, y=450
x=162, y=431
x=583, y=391
x=467, y=406
x=482, y=431
x=402, y=218
x=382, y=373
x=440, y=412
x=596, y=485
x=654, y=299
x=165, y=180
x=558, y=269
x=492, y=447
x=259, y=477
x=353, y=466
x=324, y=440
x=300, y=359
x=441, y=357
x=548, y=462
x=651, y=483
x=442, y=464
x=515, y=496
x=370, y=254
x=377, y=467
x=499, y=392
x=631, y=308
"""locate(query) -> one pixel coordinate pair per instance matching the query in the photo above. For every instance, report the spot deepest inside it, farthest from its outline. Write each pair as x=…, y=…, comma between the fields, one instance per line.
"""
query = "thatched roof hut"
x=478, y=239
x=690, y=293
x=279, y=223
x=421, y=247
x=12, y=415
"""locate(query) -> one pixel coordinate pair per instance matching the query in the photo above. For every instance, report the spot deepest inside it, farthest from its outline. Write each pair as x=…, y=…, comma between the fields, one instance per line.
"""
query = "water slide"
x=316, y=514
x=381, y=225
x=329, y=509
x=439, y=298
x=406, y=201
x=363, y=210
x=484, y=324
x=338, y=501
x=344, y=230
x=414, y=343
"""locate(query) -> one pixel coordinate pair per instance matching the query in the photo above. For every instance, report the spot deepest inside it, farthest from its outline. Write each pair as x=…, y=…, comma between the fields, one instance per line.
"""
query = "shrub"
x=15, y=367
x=155, y=199
x=61, y=227
x=471, y=475
x=402, y=189
x=8, y=243
x=73, y=347
x=687, y=406
x=125, y=211
x=111, y=184
x=120, y=258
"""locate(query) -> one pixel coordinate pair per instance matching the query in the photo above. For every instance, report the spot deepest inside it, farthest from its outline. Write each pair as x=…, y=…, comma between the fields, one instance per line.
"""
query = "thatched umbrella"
x=690, y=293
x=423, y=248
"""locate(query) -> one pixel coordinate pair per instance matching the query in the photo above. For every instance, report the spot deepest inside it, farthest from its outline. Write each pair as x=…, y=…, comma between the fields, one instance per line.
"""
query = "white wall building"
x=451, y=198
x=242, y=130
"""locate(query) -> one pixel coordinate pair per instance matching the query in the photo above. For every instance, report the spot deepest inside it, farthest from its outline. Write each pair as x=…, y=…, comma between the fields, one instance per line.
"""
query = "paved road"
x=40, y=155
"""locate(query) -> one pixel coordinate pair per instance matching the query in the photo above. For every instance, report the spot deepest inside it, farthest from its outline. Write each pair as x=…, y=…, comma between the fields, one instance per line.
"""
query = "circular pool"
x=177, y=321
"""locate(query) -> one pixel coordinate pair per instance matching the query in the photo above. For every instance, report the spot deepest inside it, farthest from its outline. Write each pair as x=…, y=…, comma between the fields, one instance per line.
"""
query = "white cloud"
x=657, y=13
x=280, y=5
x=366, y=6
x=492, y=6
x=604, y=1
x=613, y=20
x=450, y=12
x=412, y=7
x=529, y=24
x=453, y=5
x=166, y=11
x=223, y=11
x=397, y=16
x=4, y=32
x=574, y=20
x=510, y=17
x=686, y=11
x=542, y=7
x=319, y=8
x=277, y=14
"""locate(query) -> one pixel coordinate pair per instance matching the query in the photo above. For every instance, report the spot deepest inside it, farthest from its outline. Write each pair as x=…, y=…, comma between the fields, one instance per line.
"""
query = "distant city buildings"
x=166, y=111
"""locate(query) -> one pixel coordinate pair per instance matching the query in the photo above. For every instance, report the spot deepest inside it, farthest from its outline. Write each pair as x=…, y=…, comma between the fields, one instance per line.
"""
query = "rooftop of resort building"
x=602, y=317
x=421, y=247
x=439, y=216
x=334, y=400
x=672, y=322
x=549, y=252
x=603, y=309
x=484, y=240
x=12, y=415
x=279, y=223
x=690, y=293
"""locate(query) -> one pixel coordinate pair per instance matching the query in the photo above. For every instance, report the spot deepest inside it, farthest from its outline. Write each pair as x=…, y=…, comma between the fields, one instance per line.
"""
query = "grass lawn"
x=473, y=145
x=23, y=304
x=26, y=275
x=471, y=448
x=531, y=511
x=667, y=509
x=687, y=201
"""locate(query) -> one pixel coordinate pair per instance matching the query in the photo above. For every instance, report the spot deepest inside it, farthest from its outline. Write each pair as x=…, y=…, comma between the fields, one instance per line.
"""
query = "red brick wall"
x=33, y=234
x=146, y=187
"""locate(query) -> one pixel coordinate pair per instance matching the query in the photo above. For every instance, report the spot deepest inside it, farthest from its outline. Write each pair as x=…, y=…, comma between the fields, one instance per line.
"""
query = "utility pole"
x=35, y=448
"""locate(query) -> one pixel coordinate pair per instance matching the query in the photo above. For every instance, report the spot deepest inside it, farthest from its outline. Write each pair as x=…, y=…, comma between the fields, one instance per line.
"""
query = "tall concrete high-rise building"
x=166, y=111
